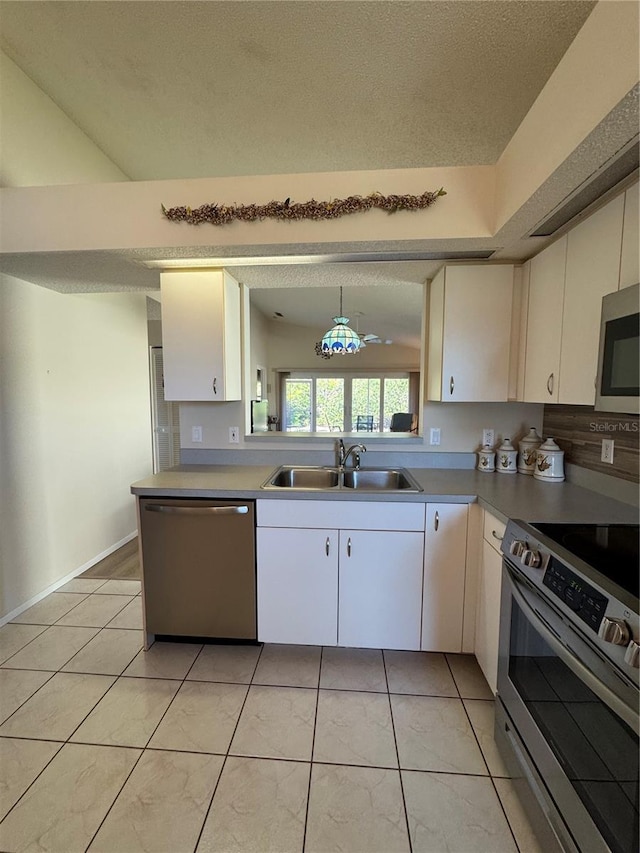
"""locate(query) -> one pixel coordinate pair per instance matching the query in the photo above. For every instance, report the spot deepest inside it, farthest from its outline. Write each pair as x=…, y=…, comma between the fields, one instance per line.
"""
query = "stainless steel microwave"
x=619, y=354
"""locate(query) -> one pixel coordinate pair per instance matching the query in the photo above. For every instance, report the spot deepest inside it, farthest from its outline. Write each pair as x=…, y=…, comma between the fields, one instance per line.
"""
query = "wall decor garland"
x=221, y=214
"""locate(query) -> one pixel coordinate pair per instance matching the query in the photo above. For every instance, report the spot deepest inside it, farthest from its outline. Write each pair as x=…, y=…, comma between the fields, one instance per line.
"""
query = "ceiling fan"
x=370, y=338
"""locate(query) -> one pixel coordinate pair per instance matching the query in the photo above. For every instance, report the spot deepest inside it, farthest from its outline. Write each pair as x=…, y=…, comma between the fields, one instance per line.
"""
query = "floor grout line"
x=395, y=740
x=313, y=746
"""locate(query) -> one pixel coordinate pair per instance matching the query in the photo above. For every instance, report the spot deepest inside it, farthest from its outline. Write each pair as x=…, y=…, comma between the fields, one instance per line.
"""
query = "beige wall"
x=74, y=430
x=40, y=144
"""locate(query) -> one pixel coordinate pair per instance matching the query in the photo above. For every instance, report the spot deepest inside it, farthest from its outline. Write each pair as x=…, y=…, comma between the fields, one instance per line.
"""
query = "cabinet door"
x=544, y=324
x=477, y=333
x=488, y=613
x=297, y=586
x=380, y=589
x=201, y=335
x=445, y=552
x=593, y=268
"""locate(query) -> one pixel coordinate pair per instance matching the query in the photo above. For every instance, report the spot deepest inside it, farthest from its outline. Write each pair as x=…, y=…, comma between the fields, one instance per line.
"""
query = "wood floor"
x=123, y=564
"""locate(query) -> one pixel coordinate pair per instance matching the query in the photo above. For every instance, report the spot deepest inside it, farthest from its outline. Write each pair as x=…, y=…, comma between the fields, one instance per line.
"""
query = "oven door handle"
x=604, y=693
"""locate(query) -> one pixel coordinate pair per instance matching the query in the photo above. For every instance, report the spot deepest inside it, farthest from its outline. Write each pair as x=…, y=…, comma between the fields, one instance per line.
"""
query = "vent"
x=599, y=184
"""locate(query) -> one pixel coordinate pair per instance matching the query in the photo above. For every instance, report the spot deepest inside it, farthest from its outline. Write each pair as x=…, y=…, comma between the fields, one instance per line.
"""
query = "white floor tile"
x=65, y=806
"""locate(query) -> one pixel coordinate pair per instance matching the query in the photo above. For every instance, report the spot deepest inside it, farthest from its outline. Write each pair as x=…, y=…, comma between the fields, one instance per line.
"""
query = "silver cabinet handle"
x=197, y=510
x=214, y=385
x=436, y=521
x=451, y=385
x=495, y=536
x=326, y=546
x=349, y=547
x=550, y=383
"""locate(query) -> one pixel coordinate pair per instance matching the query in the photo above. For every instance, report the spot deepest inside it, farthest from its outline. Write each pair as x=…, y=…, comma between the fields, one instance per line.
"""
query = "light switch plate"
x=434, y=435
x=196, y=434
x=234, y=435
x=488, y=437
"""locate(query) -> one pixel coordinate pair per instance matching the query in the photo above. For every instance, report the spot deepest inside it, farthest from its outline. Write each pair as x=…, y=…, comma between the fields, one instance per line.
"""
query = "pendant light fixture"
x=340, y=340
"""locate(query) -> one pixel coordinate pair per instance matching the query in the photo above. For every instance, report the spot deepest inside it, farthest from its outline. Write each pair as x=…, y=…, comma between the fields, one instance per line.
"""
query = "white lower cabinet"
x=362, y=574
x=380, y=589
x=445, y=555
x=297, y=586
x=488, y=601
x=338, y=573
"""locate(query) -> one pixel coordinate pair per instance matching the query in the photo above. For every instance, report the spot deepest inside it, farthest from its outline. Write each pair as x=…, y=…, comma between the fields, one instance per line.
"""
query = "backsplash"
x=579, y=431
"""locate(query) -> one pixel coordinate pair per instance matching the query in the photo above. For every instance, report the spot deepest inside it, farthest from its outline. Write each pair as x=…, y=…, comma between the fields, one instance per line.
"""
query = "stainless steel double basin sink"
x=310, y=478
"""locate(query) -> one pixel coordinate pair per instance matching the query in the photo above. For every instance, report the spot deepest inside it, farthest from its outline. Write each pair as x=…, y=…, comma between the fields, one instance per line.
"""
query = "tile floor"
x=104, y=747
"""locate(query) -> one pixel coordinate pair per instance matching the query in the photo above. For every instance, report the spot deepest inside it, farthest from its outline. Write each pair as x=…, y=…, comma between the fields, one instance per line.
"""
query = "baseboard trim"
x=54, y=586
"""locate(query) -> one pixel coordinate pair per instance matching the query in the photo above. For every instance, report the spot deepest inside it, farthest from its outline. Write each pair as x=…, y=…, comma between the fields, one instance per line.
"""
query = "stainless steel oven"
x=567, y=705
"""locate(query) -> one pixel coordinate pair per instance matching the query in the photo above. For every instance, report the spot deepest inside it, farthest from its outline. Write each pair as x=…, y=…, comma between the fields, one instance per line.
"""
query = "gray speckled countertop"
x=505, y=495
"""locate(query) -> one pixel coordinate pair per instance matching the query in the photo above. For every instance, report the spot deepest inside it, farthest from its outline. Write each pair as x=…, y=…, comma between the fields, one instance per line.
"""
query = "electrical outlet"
x=607, y=450
x=434, y=435
x=196, y=434
x=488, y=437
x=234, y=435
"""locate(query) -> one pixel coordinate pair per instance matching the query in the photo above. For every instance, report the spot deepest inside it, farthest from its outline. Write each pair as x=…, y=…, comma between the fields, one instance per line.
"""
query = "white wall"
x=40, y=144
x=74, y=430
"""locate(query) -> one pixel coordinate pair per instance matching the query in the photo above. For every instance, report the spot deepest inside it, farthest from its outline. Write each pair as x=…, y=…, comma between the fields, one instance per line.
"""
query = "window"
x=345, y=402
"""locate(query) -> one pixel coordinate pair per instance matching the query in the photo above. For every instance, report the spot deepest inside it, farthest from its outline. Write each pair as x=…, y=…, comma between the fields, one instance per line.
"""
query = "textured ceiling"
x=201, y=89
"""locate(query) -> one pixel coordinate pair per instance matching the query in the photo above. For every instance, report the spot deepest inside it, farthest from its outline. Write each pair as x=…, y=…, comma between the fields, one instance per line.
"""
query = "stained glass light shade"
x=340, y=340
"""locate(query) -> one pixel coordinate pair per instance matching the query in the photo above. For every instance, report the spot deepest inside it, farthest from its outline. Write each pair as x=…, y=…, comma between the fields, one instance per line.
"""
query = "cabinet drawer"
x=493, y=530
x=355, y=515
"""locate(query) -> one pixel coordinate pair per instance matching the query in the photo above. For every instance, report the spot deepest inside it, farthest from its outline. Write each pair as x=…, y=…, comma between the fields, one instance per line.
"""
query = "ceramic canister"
x=527, y=448
x=549, y=462
x=506, y=458
x=486, y=458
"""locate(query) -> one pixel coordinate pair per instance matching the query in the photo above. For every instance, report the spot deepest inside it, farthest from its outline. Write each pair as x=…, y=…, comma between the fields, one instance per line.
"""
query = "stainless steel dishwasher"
x=199, y=567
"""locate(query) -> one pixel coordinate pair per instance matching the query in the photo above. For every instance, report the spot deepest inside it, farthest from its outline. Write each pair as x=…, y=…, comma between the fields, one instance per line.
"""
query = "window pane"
x=396, y=398
x=297, y=405
x=329, y=405
x=365, y=404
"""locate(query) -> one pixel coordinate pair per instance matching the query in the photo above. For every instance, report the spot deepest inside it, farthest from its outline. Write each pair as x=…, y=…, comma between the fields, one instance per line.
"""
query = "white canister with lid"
x=506, y=458
x=549, y=462
x=486, y=458
x=527, y=449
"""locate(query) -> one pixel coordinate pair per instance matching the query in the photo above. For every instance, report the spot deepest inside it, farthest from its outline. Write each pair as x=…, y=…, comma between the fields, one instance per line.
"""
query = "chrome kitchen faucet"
x=343, y=455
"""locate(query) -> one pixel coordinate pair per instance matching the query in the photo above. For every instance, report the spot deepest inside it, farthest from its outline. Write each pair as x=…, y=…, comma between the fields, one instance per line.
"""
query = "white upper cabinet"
x=470, y=333
x=593, y=270
x=201, y=335
x=630, y=261
x=544, y=323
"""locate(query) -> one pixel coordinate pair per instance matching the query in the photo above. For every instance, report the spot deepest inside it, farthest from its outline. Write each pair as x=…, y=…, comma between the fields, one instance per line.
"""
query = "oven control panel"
x=588, y=604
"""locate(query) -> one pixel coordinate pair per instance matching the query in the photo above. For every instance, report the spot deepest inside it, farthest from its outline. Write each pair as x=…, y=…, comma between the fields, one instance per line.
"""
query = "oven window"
x=598, y=752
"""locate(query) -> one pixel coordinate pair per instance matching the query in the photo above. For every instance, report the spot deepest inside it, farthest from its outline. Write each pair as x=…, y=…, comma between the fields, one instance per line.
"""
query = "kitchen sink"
x=304, y=478
x=311, y=478
x=380, y=479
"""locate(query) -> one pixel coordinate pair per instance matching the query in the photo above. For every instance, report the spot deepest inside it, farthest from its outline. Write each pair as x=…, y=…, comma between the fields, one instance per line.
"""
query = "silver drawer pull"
x=326, y=546
x=197, y=510
x=451, y=385
x=495, y=536
x=436, y=521
x=349, y=547
x=214, y=384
